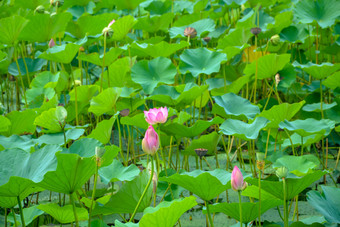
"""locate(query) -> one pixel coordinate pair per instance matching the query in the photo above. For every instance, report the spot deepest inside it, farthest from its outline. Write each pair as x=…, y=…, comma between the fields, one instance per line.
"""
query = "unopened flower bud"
x=282, y=172
x=277, y=79
x=40, y=9
x=275, y=39
x=108, y=32
x=100, y=151
x=51, y=43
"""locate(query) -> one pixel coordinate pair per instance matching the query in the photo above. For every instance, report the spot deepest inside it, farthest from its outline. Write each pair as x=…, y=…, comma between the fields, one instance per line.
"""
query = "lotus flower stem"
x=102, y=76
x=240, y=206
x=144, y=192
x=285, y=205
x=74, y=210
x=20, y=76
x=260, y=175
x=21, y=213
x=209, y=215
x=14, y=217
x=120, y=141
x=93, y=191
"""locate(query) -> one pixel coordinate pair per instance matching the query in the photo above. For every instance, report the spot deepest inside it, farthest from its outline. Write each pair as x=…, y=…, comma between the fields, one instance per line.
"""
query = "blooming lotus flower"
x=237, y=182
x=51, y=43
x=111, y=23
x=154, y=116
x=150, y=142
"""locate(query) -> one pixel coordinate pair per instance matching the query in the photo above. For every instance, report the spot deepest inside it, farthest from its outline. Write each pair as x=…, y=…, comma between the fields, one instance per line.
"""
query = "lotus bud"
x=255, y=31
x=154, y=116
x=81, y=49
x=51, y=43
x=237, y=183
x=277, y=79
x=190, y=32
x=150, y=142
x=275, y=39
x=99, y=152
x=201, y=152
x=282, y=172
x=56, y=2
x=108, y=32
x=111, y=23
x=260, y=163
x=40, y=9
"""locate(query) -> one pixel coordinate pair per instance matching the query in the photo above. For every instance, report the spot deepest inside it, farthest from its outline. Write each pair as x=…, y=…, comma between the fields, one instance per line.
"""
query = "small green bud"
x=275, y=39
x=40, y=9
x=282, y=172
x=108, y=32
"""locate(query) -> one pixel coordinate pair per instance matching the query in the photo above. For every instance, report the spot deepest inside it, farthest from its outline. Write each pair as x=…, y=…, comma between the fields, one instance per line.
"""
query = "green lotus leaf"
x=279, y=113
x=71, y=174
x=253, y=191
x=296, y=33
x=199, y=182
x=119, y=73
x=22, y=170
x=4, y=62
x=166, y=214
x=150, y=73
x=201, y=26
x=95, y=58
x=126, y=199
x=63, y=53
x=30, y=213
x=237, y=106
x=5, y=124
x=23, y=142
x=137, y=120
x=332, y=81
x=177, y=129
x=122, y=27
x=298, y=140
x=294, y=185
x=11, y=202
x=268, y=65
x=243, y=130
x=45, y=79
x=208, y=142
x=282, y=20
x=322, y=11
x=298, y=165
x=327, y=203
x=155, y=23
x=234, y=87
x=58, y=138
x=64, y=214
x=161, y=49
x=309, y=126
x=201, y=61
x=52, y=119
x=71, y=3
x=318, y=71
x=128, y=224
x=236, y=38
x=117, y=172
x=11, y=28
x=316, y=107
x=250, y=211
x=42, y=27
x=127, y=4
x=84, y=94
x=22, y=122
x=104, y=102
x=33, y=65
x=103, y=130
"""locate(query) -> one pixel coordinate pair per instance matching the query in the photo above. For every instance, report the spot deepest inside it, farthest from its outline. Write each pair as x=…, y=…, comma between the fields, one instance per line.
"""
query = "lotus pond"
x=169, y=113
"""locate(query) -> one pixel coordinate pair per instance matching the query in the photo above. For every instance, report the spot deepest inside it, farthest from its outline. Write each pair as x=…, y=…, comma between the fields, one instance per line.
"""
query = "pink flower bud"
x=237, y=182
x=111, y=23
x=51, y=43
x=154, y=116
x=150, y=143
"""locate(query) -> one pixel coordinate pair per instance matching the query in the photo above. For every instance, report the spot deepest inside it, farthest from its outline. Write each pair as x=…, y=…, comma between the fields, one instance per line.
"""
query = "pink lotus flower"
x=51, y=43
x=111, y=23
x=237, y=182
x=150, y=142
x=154, y=116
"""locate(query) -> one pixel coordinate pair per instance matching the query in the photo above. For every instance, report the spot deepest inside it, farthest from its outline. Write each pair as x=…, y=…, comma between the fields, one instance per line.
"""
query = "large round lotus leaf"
x=332, y=81
x=279, y=113
x=105, y=101
x=4, y=62
x=11, y=28
x=200, y=182
x=20, y=170
x=294, y=185
x=30, y=213
x=64, y=214
x=22, y=122
x=63, y=53
x=250, y=211
x=236, y=38
x=71, y=174
x=127, y=4
x=297, y=140
x=23, y=142
x=316, y=107
x=103, y=130
x=236, y=105
x=180, y=130
x=58, y=138
x=42, y=27
x=126, y=199
x=296, y=33
x=318, y=71
x=151, y=73
x=162, y=49
x=52, y=120
x=324, y=12
x=137, y=120
x=10, y=202
x=327, y=203
x=298, y=165
x=155, y=23
x=117, y=172
x=5, y=124
x=205, y=25
x=243, y=130
x=309, y=126
x=201, y=61
x=33, y=65
x=95, y=58
x=208, y=142
x=122, y=27
x=268, y=65
x=166, y=214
